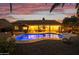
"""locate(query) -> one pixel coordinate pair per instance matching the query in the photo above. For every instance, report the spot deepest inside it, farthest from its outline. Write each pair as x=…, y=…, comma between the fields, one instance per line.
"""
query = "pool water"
x=24, y=37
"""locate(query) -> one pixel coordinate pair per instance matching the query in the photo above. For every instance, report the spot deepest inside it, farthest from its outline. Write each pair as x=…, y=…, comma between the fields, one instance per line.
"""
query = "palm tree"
x=10, y=8
x=62, y=4
x=10, y=4
x=3, y=27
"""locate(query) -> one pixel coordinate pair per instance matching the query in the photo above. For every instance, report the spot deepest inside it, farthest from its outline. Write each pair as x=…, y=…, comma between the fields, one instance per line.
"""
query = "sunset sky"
x=35, y=11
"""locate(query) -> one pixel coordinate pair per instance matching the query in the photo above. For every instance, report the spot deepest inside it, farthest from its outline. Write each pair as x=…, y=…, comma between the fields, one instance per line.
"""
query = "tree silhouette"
x=62, y=5
x=6, y=26
x=10, y=7
x=72, y=22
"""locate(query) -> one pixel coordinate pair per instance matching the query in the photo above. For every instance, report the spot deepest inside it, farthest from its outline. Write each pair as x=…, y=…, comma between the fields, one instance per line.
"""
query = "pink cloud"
x=28, y=8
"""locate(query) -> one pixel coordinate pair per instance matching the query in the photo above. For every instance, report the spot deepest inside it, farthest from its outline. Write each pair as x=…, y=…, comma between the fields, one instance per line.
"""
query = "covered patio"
x=37, y=26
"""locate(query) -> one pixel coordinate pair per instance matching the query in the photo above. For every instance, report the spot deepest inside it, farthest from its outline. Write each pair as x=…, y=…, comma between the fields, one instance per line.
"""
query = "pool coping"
x=36, y=40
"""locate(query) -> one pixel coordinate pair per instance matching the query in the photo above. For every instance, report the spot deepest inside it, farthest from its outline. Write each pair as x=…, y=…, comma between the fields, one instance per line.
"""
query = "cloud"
x=31, y=11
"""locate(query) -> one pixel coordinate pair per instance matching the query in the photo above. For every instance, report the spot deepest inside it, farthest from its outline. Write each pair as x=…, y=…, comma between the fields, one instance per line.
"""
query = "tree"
x=62, y=4
x=56, y=5
x=78, y=12
x=5, y=46
x=5, y=26
x=10, y=7
x=72, y=21
x=66, y=21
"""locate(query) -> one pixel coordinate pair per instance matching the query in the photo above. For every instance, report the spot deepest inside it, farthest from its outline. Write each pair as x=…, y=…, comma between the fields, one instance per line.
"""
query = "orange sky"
x=35, y=9
x=28, y=7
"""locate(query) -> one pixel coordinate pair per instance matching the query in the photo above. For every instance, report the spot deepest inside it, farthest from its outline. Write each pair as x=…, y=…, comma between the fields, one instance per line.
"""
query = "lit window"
x=16, y=28
x=24, y=28
x=42, y=27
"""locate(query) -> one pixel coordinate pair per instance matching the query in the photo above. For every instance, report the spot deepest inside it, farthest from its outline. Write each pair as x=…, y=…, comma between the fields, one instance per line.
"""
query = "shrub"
x=5, y=46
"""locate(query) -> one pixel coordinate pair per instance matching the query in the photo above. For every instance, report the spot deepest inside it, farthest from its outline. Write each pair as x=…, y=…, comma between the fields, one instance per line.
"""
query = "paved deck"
x=47, y=47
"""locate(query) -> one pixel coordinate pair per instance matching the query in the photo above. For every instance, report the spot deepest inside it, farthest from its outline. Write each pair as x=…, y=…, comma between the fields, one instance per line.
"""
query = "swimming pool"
x=24, y=37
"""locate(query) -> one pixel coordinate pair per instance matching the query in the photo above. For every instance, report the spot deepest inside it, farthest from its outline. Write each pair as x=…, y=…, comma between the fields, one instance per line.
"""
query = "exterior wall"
x=37, y=29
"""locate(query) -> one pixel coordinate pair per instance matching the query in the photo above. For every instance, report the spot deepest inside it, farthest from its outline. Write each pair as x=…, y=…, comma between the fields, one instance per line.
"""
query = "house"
x=37, y=26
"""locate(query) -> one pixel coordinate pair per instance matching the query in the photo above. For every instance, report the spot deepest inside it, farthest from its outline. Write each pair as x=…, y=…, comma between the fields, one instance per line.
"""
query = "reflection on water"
x=23, y=37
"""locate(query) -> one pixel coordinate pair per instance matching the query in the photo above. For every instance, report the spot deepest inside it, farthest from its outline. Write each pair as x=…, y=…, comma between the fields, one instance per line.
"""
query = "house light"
x=16, y=28
x=24, y=28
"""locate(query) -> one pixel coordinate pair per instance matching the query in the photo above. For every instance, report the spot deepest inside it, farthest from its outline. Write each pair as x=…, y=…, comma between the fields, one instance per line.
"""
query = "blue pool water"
x=24, y=37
